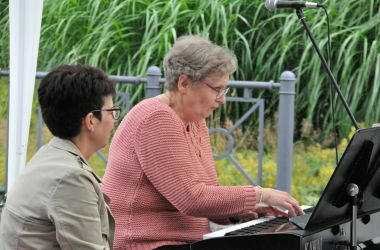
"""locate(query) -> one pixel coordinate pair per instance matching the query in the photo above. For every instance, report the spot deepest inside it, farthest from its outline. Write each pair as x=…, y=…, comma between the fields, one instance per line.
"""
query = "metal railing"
x=286, y=89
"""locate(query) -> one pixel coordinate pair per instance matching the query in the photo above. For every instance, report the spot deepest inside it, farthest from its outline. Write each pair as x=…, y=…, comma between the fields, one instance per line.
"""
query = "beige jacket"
x=56, y=203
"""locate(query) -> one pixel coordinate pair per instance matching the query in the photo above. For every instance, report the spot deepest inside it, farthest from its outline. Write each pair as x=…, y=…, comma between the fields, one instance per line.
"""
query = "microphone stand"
x=331, y=76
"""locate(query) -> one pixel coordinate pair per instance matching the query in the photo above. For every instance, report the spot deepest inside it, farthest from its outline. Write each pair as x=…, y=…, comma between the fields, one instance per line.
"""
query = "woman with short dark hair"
x=56, y=202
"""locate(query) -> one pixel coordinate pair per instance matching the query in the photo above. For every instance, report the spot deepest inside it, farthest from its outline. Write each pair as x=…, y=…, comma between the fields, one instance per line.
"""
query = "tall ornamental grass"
x=126, y=36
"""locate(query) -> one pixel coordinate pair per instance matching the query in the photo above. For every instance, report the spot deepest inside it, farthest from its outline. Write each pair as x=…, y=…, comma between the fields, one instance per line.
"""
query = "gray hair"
x=197, y=58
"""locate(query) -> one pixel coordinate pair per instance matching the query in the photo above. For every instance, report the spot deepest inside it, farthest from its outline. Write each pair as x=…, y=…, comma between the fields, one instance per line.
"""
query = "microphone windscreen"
x=270, y=5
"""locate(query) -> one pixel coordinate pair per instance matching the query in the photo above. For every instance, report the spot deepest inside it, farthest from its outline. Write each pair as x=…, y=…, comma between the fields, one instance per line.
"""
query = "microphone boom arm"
x=330, y=74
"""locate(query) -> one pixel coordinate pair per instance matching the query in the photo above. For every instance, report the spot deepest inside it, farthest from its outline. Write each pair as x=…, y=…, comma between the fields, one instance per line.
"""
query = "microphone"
x=271, y=5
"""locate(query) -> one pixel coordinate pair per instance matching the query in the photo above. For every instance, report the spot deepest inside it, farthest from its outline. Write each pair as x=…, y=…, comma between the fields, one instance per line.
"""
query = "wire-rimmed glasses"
x=220, y=91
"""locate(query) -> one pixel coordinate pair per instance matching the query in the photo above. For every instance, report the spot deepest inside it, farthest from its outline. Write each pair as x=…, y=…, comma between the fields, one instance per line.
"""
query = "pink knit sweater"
x=162, y=181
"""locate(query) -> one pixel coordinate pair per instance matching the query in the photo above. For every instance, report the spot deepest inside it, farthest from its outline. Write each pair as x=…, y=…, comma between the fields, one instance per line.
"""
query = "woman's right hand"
x=277, y=198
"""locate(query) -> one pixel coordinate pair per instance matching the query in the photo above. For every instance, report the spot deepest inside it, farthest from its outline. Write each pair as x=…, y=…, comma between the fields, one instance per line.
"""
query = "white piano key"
x=222, y=232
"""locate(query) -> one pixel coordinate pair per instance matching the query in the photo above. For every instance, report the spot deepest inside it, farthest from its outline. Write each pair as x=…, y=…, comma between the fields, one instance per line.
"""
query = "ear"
x=88, y=122
x=183, y=83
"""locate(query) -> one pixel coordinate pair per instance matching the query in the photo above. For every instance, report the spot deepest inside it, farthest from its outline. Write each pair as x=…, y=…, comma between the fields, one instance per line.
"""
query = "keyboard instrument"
x=281, y=234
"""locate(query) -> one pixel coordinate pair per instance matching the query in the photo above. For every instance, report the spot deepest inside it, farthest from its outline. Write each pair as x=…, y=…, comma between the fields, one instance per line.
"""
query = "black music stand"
x=360, y=165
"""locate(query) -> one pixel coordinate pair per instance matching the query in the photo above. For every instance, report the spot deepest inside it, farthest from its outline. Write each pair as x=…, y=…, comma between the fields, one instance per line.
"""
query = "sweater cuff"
x=250, y=198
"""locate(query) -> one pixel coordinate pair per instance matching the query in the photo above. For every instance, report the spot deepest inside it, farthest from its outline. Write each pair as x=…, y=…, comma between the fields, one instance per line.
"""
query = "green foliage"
x=3, y=127
x=312, y=168
x=126, y=36
x=2, y=167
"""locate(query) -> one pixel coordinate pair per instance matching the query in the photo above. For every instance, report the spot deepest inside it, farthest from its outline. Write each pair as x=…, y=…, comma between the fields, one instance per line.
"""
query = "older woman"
x=161, y=175
x=56, y=202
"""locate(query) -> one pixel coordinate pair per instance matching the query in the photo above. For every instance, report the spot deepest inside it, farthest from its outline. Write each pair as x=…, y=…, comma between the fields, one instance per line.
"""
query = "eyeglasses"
x=220, y=91
x=115, y=112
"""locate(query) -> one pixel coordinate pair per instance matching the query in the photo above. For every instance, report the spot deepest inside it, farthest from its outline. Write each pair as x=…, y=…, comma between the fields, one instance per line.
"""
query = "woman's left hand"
x=265, y=210
x=260, y=211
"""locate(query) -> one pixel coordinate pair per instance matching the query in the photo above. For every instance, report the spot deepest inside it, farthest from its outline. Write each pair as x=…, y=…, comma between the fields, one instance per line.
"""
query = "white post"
x=25, y=25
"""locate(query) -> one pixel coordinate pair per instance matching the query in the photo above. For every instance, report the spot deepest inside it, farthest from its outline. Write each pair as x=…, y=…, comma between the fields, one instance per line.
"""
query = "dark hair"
x=68, y=93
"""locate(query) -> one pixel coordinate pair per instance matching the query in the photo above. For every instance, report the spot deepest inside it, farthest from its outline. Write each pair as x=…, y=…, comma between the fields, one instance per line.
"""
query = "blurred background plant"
x=124, y=37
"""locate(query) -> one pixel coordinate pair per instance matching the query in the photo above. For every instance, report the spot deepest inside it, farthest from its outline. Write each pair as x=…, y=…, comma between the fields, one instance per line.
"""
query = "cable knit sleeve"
x=166, y=160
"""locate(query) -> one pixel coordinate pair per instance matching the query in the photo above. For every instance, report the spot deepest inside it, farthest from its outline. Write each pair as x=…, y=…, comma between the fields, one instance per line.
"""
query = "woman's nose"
x=221, y=99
